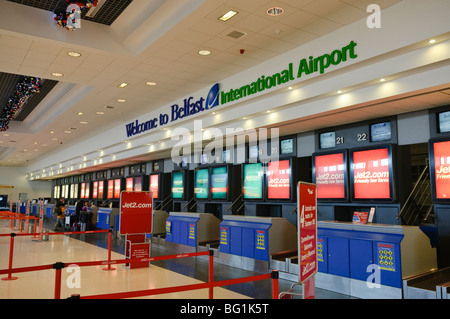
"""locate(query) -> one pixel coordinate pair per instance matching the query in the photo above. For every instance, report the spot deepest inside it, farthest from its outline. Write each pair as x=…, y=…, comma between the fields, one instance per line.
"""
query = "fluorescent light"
x=227, y=16
x=122, y=85
x=204, y=52
x=150, y=83
x=57, y=74
x=121, y=100
x=74, y=54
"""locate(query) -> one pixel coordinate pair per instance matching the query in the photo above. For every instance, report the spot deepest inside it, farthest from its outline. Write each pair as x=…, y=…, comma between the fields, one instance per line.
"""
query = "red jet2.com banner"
x=136, y=212
x=307, y=230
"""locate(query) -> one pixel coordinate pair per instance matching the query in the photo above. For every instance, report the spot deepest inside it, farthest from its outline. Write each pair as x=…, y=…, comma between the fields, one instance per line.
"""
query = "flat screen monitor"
x=287, y=146
x=101, y=188
x=201, y=183
x=87, y=191
x=219, y=183
x=253, y=181
x=279, y=180
x=110, y=189
x=380, y=132
x=226, y=156
x=95, y=189
x=371, y=174
x=154, y=185
x=129, y=184
x=440, y=170
x=330, y=175
x=253, y=151
x=72, y=191
x=83, y=190
x=138, y=184
x=204, y=159
x=327, y=140
x=117, y=188
x=444, y=122
x=178, y=185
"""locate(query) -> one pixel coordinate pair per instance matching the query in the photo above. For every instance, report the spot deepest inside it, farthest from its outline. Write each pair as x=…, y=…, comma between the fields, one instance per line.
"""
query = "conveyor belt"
x=426, y=285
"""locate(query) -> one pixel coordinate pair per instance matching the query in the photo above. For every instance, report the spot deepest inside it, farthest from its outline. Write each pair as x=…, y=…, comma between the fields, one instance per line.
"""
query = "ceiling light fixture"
x=432, y=41
x=204, y=52
x=150, y=83
x=227, y=16
x=121, y=100
x=382, y=80
x=74, y=54
x=122, y=85
x=57, y=74
x=275, y=11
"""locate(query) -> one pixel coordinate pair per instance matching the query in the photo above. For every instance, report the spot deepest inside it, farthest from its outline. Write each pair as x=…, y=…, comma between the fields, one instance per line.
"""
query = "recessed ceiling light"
x=80, y=113
x=275, y=11
x=100, y=113
x=67, y=132
x=121, y=100
x=122, y=85
x=84, y=123
x=57, y=74
x=204, y=52
x=382, y=80
x=52, y=132
x=227, y=16
x=74, y=54
x=432, y=41
x=54, y=139
x=268, y=111
x=150, y=83
x=339, y=91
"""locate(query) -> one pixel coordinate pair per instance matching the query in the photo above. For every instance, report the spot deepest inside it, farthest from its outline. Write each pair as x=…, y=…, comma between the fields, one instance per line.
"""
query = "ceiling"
x=162, y=49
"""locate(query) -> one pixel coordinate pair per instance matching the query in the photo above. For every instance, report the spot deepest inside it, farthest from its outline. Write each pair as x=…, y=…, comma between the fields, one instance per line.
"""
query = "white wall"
x=15, y=176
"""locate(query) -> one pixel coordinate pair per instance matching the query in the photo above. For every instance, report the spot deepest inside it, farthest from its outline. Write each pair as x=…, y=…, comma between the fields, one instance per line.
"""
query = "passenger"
x=78, y=208
x=93, y=214
x=59, y=208
x=83, y=218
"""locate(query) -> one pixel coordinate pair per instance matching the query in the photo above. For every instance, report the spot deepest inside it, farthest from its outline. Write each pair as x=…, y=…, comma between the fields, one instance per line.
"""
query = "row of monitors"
x=271, y=181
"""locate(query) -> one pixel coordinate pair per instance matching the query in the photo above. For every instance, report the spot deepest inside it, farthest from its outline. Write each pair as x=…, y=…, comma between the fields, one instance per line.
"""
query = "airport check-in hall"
x=212, y=112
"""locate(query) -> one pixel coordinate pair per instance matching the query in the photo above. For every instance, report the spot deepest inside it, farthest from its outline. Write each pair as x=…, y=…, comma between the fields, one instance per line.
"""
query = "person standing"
x=59, y=208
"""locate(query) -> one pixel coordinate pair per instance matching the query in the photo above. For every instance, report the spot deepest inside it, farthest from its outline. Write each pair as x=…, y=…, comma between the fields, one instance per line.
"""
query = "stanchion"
x=211, y=273
x=58, y=274
x=275, y=287
x=11, y=250
x=109, y=252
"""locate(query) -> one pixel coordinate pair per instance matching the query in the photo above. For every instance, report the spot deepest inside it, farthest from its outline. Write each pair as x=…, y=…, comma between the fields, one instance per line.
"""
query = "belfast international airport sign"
x=191, y=106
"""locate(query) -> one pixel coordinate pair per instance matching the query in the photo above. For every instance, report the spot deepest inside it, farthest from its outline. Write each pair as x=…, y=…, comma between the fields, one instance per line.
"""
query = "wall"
x=15, y=176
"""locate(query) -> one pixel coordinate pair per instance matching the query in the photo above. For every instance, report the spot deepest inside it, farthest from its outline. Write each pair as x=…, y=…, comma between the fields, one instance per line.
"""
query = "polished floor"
x=93, y=280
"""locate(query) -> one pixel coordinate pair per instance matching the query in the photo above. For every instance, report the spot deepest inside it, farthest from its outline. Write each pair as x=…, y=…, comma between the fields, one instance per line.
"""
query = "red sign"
x=137, y=248
x=129, y=187
x=117, y=187
x=136, y=212
x=307, y=230
x=371, y=174
x=330, y=175
x=110, y=189
x=154, y=185
x=442, y=169
x=279, y=180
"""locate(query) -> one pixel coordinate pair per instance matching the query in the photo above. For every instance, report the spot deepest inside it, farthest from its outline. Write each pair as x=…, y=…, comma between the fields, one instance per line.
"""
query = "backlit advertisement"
x=110, y=189
x=219, y=182
x=95, y=190
x=329, y=174
x=441, y=152
x=371, y=179
x=83, y=190
x=129, y=184
x=117, y=185
x=177, y=185
x=100, y=189
x=154, y=185
x=279, y=180
x=201, y=183
x=253, y=175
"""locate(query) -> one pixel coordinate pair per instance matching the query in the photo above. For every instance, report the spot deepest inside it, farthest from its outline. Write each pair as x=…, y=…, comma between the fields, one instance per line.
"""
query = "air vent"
x=236, y=34
x=109, y=107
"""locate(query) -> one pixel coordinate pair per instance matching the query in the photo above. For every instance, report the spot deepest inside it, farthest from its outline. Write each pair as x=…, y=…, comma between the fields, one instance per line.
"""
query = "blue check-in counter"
x=247, y=241
x=370, y=260
x=184, y=231
x=104, y=218
x=49, y=210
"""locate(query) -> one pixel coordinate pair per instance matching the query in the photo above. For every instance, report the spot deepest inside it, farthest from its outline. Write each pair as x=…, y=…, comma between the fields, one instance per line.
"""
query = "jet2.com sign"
x=190, y=106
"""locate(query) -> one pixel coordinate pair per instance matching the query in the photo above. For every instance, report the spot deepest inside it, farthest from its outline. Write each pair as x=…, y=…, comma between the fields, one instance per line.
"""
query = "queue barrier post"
x=109, y=251
x=58, y=274
x=11, y=251
x=211, y=273
x=275, y=284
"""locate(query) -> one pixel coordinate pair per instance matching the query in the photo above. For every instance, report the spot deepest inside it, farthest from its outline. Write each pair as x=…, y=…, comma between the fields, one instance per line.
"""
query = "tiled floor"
x=93, y=280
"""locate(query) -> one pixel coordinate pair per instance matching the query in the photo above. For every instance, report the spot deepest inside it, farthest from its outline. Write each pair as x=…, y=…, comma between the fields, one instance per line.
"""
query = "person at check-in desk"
x=59, y=209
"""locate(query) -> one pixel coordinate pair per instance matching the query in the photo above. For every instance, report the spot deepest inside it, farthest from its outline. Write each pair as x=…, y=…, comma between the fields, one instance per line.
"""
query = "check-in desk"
x=49, y=210
x=370, y=260
x=247, y=242
x=159, y=227
x=184, y=231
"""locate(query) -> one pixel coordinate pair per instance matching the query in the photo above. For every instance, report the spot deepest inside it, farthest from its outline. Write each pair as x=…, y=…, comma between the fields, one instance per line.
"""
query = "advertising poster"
x=371, y=174
x=219, y=183
x=307, y=230
x=201, y=184
x=129, y=187
x=136, y=212
x=279, y=180
x=253, y=181
x=100, y=189
x=330, y=176
x=177, y=185
x=117, y=188
x=154, y=185
x=442, y=169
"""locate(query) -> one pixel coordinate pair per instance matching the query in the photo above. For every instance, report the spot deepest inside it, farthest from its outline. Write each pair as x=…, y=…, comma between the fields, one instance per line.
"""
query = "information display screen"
x=138, y=184
x=444, y=122
x=327, y=140
x=380, y=132
x=372, y=174
x=101, y=185
x=87, y=191
x=177, y=185
x=219, y=182
x=287, y=146
x=329, y=173
x=110, y=189
x=253, y=181
x=440, y=170
x=154, y=185
x=117, y=187
x=279, y=180
x=95, y=190
x=129, y=184
x=201, y=181
x=83, y=190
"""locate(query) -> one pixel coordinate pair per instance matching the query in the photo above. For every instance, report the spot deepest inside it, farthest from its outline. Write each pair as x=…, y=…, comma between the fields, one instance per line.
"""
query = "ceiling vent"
x=236, y=34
